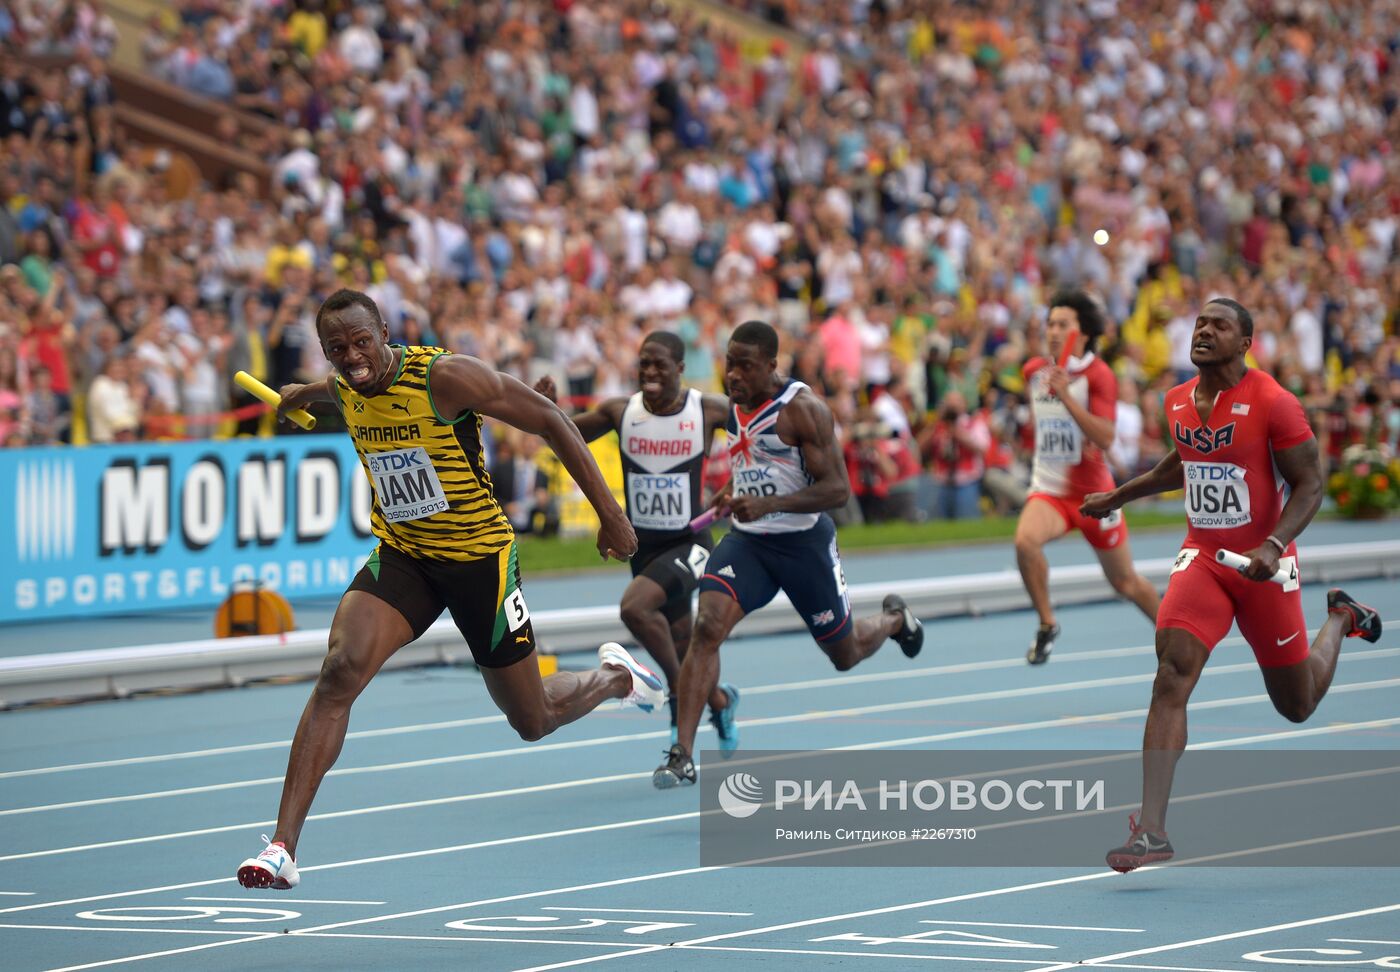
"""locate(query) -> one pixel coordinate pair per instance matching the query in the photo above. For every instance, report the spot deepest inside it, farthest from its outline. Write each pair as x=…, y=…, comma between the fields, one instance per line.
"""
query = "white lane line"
x=281, y=900
x=980, y=959
x=808, y=922
x=1009, y=924
x=22, y=894
x=1227, y=937
x=169, y=951
x=981, y=731
x=1365, y=941
x=651, y=911
x=1169, y=968
x=814, y=716
x=841, y=681
x=143, y=931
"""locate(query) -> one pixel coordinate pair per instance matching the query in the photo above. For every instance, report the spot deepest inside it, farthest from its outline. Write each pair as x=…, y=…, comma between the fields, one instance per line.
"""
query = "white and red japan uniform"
x=1234, y=495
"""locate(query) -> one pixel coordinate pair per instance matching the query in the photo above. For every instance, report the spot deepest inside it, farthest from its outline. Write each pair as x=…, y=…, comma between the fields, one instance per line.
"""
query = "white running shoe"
x=273, y=868
x=647, y=693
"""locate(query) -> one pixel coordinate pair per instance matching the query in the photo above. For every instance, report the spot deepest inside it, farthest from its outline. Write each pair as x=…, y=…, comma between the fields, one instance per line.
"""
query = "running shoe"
x=1141, y=848
x=1045, y=636
x=647, y=693
x=678, y=770
x=671, y=704
x=1365, y=622
x=273, y=868
x=723, y=721
x=910, y=637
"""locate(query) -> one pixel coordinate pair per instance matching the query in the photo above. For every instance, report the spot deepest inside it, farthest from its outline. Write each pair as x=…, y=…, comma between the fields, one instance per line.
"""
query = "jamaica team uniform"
x=1234, y=496
x=663, y=458
x=444, y=541
x=1068, y=466
x=792, y=552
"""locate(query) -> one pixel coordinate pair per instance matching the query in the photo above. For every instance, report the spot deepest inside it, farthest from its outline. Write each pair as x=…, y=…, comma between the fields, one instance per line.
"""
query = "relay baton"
x=1070, y=339
x=704, y=520
x=1238, y=561
x=258, y=390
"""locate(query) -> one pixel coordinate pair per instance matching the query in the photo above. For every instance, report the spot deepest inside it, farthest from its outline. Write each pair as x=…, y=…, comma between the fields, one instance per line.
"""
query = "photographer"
x=956, y=447
x=882, y=470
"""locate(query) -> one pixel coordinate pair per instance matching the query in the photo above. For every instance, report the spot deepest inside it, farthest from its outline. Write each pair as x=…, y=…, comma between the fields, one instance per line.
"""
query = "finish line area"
x=441, y=840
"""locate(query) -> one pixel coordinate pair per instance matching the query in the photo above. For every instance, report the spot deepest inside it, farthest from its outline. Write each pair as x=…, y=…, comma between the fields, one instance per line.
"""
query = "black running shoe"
x=910, y=637
x=1039, y=652
x=1141, y=848
x=1365, y=622
x=678, y=770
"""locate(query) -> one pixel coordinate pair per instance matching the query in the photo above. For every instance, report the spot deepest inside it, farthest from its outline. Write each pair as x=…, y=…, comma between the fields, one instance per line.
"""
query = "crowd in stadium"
x=898, y=187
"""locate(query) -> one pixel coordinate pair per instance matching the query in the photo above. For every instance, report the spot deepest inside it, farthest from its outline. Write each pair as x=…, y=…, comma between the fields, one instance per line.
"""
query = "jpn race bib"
x=406, y=484
x=1058, y=439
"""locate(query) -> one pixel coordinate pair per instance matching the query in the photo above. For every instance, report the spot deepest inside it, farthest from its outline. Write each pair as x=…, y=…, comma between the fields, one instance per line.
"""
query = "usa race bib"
x=1058, y=439
x=1217, y=495
x=659, y=501
x=406, y=484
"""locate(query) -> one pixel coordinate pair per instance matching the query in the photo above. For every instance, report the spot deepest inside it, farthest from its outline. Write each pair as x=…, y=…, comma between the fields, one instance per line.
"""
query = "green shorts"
x=483, y=595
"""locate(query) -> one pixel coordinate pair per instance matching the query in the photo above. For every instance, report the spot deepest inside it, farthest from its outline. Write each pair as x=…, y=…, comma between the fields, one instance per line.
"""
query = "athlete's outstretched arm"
x=1301, y=468
x=806, y=422
x=1163, y=477
x=595, y=423
x=459, y=382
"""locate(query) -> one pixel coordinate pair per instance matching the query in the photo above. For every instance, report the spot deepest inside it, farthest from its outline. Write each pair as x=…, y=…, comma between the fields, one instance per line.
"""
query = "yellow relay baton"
x=257, y=389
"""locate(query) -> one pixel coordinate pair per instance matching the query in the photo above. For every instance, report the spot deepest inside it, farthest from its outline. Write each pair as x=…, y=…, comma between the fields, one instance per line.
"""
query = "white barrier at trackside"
x=116, y=672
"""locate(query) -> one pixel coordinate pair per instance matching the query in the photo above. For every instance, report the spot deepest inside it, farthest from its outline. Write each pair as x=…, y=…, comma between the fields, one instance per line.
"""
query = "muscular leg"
x=863, y=640
x=699, y=677
x=1297, y=689
x=643, y=611
x=365, y=632
x=1039, y=524
x=537, y=706
x=1180, y=658
x=1118, y=568
x=681, y=629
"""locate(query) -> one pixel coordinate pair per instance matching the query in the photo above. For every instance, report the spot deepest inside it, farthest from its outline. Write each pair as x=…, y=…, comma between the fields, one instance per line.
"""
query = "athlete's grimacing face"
x=658, y=374
x=1218, y=337
x=748, y=374
x=357, y=346
x=1060, y=323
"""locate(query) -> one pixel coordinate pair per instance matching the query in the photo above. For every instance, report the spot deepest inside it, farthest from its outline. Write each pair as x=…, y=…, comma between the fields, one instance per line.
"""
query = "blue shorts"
x=806, y=566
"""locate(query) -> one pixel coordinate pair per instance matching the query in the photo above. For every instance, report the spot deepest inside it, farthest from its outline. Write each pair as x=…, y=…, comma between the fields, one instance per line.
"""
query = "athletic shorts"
x=483, y=595
x=806, y=566
x=1103, y=534
x=1203, y=598
x=676, y=566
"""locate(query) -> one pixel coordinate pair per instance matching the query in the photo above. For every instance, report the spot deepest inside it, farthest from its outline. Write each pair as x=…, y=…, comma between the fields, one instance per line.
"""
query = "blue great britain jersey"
x=762, y=464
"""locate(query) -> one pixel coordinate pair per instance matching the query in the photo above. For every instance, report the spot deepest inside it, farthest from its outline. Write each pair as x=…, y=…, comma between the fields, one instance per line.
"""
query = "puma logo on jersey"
x=522, y=639
x=1204, y=439
x=400, y=406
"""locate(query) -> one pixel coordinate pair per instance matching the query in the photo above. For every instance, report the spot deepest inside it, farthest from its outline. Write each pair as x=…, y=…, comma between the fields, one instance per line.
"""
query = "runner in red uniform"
x=1249, y=465
x=1074, y=409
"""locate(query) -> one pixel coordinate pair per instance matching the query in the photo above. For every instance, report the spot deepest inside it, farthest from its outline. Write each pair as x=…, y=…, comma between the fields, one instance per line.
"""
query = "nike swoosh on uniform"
x=1177, y=408
x=1283, y=641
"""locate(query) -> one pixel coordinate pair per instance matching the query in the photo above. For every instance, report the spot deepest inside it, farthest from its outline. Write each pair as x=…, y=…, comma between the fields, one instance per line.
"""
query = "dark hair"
x=1246, y=319
x=343, y=298
x=758, y=334
x=668, y=341
x=1091, y=316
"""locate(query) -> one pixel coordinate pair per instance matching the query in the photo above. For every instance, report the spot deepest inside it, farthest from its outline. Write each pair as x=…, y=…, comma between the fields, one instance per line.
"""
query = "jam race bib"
x=659, y=501
x=406, y=484
x=1217, y=496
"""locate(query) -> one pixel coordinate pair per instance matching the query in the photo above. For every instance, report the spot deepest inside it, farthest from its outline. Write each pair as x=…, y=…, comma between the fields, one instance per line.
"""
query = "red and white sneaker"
x=273, y=868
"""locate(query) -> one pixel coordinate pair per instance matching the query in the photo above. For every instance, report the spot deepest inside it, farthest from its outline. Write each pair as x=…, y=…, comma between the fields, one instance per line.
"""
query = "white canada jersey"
x=662, y=461
x=762, y=464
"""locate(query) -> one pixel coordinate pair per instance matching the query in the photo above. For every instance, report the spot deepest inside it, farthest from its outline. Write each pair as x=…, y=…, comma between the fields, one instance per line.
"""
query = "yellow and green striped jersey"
x=432, y=494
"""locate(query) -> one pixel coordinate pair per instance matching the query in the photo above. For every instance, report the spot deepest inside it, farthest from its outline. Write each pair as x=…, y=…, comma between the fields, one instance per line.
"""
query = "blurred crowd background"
x=898, y=186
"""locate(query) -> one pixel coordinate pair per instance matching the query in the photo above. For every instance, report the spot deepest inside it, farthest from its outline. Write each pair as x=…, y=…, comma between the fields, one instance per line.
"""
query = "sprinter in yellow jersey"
x=444, y=542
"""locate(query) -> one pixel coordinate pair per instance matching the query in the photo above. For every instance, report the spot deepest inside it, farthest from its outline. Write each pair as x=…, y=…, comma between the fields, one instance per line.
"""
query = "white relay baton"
x=1287, y=571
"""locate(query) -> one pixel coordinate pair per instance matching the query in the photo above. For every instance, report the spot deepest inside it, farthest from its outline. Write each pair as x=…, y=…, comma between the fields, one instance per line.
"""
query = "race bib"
x=406, y=484
x=1058, y=439
x=659, y=501
x=1217, y=496
x=1183, y=559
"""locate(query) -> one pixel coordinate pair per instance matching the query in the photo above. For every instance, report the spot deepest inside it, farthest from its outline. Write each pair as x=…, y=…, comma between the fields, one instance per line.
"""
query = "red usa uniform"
x=1234, y=495
x=1067, y=465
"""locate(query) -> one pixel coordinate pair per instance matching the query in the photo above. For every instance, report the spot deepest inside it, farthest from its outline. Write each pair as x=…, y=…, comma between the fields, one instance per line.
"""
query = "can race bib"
x=659, y=501
x=406, y=484
x=1217, y=496
x=1058, y=439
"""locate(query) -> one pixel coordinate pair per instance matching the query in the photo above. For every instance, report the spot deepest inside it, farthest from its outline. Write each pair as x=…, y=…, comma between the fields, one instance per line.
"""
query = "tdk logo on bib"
x=395, y=461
